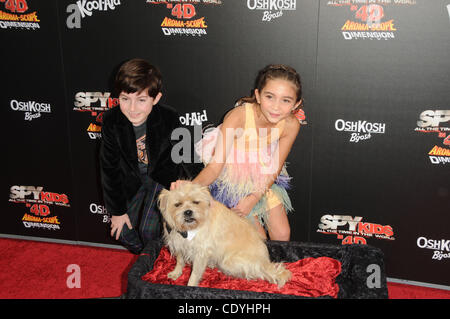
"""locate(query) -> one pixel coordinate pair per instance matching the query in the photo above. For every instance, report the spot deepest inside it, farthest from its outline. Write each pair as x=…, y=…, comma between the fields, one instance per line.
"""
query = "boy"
x=135, y=154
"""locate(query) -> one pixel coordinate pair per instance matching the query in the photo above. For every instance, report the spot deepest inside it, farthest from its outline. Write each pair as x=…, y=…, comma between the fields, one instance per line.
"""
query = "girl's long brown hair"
x=273, y=72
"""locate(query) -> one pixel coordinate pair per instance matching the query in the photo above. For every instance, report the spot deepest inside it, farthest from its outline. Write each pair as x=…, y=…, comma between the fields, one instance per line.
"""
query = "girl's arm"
x=246, y=204
x=233, y=120
x=285, y=143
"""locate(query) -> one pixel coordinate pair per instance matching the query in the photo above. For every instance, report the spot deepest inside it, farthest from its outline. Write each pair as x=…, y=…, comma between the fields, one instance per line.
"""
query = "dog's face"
x=186, y=207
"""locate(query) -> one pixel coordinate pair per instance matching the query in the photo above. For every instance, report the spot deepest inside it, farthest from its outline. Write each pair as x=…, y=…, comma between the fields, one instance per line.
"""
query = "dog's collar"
x=169, y=230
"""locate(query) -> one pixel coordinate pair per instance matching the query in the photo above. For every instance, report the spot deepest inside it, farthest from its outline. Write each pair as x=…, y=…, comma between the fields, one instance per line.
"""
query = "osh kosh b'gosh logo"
x=85, y=8
x=272, y=8
x=32, y=109
x=441, y=247
x=360, y=130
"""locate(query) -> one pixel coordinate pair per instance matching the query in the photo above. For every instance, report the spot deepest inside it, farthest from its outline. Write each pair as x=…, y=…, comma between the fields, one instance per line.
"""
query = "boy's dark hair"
x=137, y=75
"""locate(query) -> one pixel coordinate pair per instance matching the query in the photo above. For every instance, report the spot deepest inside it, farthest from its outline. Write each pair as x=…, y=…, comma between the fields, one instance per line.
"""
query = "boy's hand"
x=117, y=223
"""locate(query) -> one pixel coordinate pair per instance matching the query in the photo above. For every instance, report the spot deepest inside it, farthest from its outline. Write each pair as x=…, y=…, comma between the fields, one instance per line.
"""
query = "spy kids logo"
x=16, y=16
x=369, y=18
x=96, y=103
x=38, y=202
x=83, y=8
x=352, y=230
x=184, y=19
x=272, y=9
x=436, y=122
x=359, y=130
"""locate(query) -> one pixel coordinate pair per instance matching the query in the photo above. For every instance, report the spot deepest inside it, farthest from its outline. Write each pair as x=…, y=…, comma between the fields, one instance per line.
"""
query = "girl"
x=245, y=155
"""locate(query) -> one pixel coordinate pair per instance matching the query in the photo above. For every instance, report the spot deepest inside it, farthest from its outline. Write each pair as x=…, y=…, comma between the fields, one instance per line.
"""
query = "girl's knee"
x=281, y=234
x=278, y=225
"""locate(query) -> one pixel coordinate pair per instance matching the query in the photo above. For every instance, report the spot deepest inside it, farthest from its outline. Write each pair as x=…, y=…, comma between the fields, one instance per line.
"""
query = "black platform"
x=352, y=281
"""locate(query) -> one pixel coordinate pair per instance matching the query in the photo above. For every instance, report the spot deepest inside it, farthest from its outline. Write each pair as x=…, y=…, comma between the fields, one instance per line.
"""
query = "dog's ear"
x=162, y=200
x=208, y=197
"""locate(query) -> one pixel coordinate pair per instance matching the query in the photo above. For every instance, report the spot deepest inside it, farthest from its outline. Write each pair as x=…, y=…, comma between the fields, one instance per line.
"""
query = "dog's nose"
x=188, y=213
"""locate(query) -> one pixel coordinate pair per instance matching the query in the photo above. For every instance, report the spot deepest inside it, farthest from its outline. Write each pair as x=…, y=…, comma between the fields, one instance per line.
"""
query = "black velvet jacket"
x=118, y=155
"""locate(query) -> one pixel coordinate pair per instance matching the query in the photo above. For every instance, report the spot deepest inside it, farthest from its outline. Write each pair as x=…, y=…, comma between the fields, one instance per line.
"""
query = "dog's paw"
x=175, y=274
x=284, y=276
x=192, y=283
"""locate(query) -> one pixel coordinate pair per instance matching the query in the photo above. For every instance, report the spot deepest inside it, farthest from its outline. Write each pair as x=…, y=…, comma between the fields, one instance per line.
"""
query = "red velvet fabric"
x=311, y=277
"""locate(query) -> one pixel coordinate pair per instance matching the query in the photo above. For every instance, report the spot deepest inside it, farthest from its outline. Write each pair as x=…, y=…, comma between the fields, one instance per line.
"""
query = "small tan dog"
x=205, y=233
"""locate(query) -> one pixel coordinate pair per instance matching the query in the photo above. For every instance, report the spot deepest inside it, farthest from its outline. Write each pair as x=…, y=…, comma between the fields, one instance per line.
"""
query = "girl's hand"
x=177, y=183
x=245, y=205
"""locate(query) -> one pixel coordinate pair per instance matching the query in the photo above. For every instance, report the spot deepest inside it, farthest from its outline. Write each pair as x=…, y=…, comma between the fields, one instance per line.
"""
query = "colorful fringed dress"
x=250, y=165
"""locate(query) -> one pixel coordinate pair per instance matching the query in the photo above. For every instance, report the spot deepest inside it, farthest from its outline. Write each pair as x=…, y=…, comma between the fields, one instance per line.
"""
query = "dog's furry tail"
x=276, y=273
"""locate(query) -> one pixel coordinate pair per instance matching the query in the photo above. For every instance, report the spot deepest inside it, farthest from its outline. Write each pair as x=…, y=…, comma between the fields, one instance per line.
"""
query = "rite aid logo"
x=194, y=118
x=84, y=8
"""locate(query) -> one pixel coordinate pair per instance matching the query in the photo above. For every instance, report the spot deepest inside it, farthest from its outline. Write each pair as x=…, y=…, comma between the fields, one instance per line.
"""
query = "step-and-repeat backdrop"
x=371, y=162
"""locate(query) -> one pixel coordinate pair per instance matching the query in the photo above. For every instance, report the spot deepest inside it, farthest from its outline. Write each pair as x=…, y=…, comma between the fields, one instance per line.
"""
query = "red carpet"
x=38, y=270
x=400, y=291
